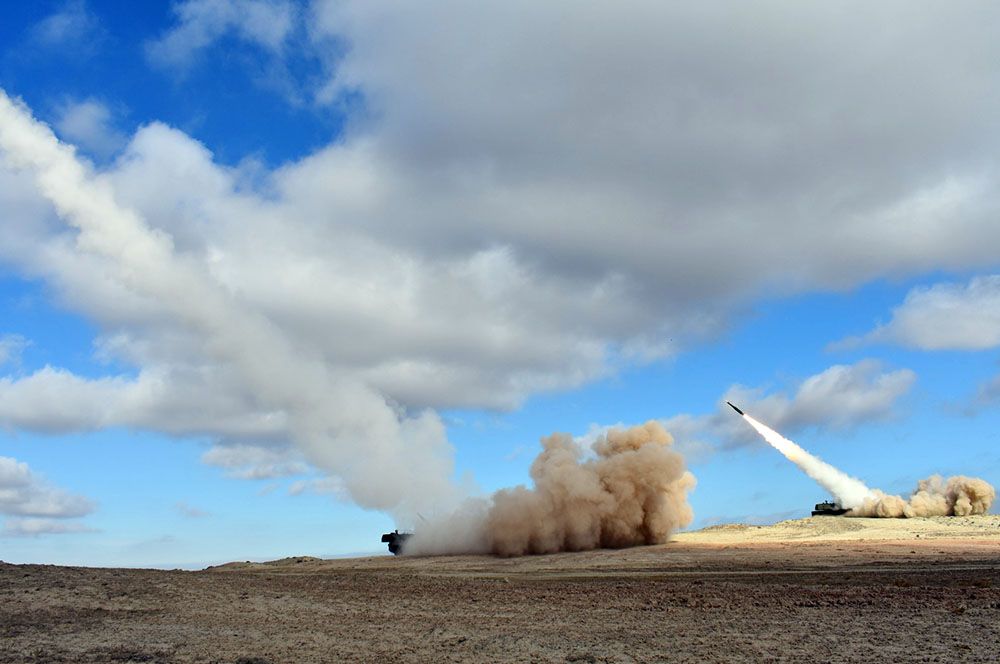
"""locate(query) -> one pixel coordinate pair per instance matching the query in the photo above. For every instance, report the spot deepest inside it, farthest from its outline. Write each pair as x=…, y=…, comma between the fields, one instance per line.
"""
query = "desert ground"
x=825, y=589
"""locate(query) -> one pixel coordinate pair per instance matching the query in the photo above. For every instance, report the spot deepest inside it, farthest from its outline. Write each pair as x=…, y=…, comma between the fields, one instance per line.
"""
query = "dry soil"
x=827, y=589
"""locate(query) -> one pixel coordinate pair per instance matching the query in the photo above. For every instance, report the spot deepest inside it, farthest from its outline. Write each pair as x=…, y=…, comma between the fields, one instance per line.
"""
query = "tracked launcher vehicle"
x=829, y=508
x=396, y=540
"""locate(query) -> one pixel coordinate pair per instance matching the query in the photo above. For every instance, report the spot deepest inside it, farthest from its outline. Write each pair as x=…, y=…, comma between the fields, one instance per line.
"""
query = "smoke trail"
x=849, y=491
x=934, y=496
x=633, y=492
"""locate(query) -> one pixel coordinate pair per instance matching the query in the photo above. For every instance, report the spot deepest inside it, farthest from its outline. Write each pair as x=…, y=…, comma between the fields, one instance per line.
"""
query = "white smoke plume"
x=849, y=491
x=934, y=496
x=633, y=491
x=340, y=425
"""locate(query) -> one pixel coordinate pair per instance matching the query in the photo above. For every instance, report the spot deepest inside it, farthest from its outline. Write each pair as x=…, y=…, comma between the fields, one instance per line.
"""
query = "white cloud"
x=73, y=26
x=264, y=23
x=198, y=403
x=25, y=494
x=946, y=316
x=34, y=527
x=839, y=398
x=11, y=346
x=255, y=462
x=89, y=125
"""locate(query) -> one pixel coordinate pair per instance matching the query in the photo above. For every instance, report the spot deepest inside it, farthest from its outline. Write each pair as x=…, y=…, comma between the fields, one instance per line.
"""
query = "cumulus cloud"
x=839, y=398
x=89, y=124
x=24, y=494
x=946, y=316
x=200, y=23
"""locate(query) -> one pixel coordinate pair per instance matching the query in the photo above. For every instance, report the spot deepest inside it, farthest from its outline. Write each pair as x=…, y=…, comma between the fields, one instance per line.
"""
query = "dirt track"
x=722, y=595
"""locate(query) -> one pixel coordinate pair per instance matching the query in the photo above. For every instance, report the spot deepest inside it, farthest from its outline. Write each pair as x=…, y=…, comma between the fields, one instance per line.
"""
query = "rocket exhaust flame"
x=934, y=496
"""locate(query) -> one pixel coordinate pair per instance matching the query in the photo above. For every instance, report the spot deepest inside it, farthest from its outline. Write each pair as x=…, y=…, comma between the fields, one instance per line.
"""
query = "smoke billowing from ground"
x=934, y=496
x=633, y=491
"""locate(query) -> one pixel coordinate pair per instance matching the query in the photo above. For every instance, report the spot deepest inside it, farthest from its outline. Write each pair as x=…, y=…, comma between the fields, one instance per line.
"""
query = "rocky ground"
x=800, y=591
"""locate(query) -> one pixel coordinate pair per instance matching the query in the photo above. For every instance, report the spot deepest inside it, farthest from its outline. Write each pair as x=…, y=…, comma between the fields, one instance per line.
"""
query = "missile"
x=735, y=408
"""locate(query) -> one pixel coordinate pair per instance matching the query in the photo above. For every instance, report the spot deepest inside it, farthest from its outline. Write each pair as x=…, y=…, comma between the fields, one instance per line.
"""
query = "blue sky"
x=357, y=259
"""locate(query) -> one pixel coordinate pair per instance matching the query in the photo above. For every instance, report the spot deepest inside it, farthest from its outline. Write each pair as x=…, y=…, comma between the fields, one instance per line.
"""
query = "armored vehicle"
x=829, y=508
x=396, y=539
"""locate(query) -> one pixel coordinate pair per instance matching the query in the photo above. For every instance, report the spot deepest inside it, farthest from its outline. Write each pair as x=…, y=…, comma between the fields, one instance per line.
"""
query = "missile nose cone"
x=735, y=408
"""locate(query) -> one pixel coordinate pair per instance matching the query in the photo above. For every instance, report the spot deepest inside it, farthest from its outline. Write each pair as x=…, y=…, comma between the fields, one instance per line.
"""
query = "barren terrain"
x=824, y=589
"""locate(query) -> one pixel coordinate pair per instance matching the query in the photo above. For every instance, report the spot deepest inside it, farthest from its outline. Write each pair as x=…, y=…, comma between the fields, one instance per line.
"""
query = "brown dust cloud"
x=630, y=489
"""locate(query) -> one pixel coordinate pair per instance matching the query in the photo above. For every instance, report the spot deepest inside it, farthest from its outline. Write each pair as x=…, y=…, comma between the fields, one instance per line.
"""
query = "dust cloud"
x=934, y=496
x=631, y=491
